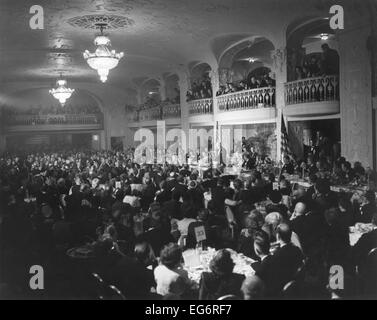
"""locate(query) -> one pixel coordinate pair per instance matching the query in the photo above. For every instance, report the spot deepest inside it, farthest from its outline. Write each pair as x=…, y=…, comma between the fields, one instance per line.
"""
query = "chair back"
x=99, y=286
x=228, y=297
x=372, y=253
x=115, y=293
x=289, y=290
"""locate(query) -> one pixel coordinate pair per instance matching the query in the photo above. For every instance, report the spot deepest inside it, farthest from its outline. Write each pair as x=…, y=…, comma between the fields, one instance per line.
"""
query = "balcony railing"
x=158, y=113
x=247, y=99
x=202, y=106
x=53, y=119
x=171, y=111
x=312, y=90
x=150, y=114
x=133, y=116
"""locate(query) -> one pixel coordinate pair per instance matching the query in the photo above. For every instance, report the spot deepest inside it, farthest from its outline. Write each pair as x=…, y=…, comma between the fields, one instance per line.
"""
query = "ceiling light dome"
x=103, y=60
x=61, y=93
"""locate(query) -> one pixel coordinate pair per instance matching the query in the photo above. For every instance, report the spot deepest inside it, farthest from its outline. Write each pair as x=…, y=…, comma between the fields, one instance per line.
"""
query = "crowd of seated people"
x=200, y=89
x=326, y=64
x=252, y=82
x=133, y=222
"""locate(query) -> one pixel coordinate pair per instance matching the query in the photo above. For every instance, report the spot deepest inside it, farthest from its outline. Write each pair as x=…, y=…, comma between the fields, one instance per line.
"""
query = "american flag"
x=285, y=148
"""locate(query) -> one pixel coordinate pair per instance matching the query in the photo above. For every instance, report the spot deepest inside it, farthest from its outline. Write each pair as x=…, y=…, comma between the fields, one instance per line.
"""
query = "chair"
x=100, y=286
x=104, y=291
x=115, y=293
x=300, y=273
x=229, y=297
x=370, y=277
x=372, y=253
x=290, y=290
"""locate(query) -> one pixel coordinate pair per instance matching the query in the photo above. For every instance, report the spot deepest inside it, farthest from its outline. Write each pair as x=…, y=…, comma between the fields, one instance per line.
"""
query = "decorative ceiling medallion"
x=96, y=21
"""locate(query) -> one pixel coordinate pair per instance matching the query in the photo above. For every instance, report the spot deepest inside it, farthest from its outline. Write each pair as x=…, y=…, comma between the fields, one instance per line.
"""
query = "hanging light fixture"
x=61, y=93
x=324, y=36
x=103, y=60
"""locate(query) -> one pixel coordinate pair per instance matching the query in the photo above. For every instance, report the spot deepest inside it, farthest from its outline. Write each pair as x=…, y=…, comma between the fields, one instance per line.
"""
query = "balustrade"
x=133, y=116
x=312, y=90
x=201, y=106
x=247, y=99
x=150, y=114
x=171, y=111
x=52, y=119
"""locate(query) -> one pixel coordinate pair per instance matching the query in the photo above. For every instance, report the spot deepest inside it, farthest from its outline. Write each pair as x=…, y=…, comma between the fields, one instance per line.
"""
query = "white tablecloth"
x=358, y=230
x=242, y=264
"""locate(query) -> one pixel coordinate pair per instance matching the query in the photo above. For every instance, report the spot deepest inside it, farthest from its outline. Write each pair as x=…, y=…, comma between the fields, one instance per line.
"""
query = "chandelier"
x=61, y=93
x=103, y=60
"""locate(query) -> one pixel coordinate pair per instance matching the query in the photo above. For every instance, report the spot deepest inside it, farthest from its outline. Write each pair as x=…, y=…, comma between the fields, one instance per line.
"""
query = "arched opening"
x=150, y=94
x=200, y=82
x=241, y=62
x=307, y=55
x=172, y=88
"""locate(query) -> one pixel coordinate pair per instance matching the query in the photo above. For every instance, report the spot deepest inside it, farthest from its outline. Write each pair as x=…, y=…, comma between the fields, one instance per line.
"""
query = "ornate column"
x=224, y=75
x=215, y=82
x=139, y=96
x=355, y=85
x=184, y=85
x=162, y=88
x=279, y=57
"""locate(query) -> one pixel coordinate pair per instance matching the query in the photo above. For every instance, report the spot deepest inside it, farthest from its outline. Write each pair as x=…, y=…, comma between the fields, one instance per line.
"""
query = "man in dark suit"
x=130, y=273
x=180, y=186
x=276, y=206
x=262, y=249
x=218, y=197
x=285, y=262
x=163, y=195
x=361, y=249
x=172, y=208
x=365, y=259
x=309, y=227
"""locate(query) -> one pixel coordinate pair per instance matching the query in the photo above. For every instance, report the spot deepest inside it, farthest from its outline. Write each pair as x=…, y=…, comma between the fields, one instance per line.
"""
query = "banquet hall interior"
x=188, y=150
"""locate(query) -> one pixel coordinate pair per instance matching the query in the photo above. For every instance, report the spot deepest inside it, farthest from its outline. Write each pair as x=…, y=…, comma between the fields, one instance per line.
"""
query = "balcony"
x=133, y=116
x=201, y=106
x=171, y=113
x=312, y=96
x=248, y=105
x=53, y=122
x=201, y=111
x=247, y=99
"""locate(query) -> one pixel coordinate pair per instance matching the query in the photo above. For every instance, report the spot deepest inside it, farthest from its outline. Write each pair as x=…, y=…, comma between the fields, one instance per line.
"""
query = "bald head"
x=300, y=209
x=253, y=288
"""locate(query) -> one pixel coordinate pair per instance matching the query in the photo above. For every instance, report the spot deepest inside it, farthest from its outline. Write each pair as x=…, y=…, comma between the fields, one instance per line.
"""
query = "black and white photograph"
x=188, y=153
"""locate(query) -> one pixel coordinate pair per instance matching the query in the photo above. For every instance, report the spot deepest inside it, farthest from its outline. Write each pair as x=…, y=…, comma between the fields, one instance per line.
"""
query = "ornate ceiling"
x=157, y=36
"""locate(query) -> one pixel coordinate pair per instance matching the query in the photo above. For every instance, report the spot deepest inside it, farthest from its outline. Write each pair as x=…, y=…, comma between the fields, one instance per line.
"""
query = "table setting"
x=197, y=262
x=356, y=231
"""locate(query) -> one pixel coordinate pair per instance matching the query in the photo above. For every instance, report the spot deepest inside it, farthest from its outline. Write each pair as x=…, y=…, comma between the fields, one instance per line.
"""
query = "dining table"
x=198, y=261
x=358, y=230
